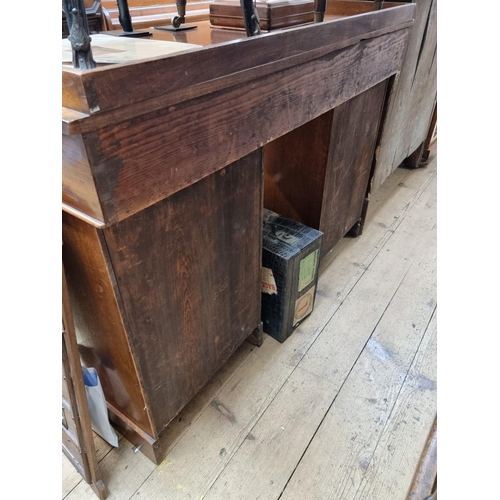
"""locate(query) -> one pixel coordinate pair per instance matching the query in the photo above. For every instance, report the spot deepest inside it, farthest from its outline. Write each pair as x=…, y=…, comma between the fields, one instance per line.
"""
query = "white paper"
x=109, y=49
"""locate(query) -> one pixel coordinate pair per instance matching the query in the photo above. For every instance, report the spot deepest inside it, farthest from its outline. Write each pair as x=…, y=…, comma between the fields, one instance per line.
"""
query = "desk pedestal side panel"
x=173, y=291
x=319, y=173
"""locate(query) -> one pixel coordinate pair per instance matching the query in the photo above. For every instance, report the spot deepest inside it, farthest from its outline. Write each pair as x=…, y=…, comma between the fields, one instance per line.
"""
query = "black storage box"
x=290, y=265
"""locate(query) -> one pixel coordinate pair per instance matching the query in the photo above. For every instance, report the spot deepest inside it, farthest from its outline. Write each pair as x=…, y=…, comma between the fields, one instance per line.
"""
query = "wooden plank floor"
x=343, y=409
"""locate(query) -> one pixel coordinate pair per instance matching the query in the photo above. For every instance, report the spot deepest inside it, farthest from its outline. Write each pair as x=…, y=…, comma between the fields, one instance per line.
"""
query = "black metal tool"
x=250, y=17
x=126, y=22
x=319, y=10
x=178, y=20
x=378, y=4
x=79, y=34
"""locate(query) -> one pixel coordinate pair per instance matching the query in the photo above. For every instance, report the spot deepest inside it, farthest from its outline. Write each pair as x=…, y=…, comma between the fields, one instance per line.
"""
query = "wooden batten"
x=79, y=192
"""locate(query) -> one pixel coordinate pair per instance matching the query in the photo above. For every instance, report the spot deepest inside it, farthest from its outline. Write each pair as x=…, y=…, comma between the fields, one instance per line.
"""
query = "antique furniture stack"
x=167, y=165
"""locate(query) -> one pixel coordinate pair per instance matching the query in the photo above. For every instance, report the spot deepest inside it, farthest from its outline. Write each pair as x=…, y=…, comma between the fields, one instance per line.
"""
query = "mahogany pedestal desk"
x=163, y=195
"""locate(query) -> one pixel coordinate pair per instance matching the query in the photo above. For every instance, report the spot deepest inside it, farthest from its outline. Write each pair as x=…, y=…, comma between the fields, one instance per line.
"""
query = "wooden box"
x=273, y=14
x=77, y=437
x=290, y=257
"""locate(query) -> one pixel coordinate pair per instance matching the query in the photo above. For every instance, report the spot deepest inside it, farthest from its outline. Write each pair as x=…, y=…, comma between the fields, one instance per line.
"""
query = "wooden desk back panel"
x=189, y=275
x=318, y=174
x=163, y=298
x=148, y=150
x=355, y=129
x=173, y=267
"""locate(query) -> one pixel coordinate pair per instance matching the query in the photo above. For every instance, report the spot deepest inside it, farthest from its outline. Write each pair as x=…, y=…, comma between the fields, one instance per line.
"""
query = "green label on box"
x=307, y=270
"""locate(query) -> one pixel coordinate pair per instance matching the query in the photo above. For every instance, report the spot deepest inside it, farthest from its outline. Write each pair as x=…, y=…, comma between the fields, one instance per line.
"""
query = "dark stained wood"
x=221, y=61
x=163, y=194
x=257, y=336
x=413, y=95
x=354, y=7
x=77, y=437
x=354, y=134
x=318, y=174
x=140, y=161
x=271, y=16
x=79, y=191
x=98, y=319
x=295, y=169
x=163, y=298
x=189, y=275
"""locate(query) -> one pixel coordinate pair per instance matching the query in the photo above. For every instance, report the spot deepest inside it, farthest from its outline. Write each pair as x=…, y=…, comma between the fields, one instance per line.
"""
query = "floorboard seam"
x=345, y=380
x=381, y=243
x=389, y=233
x=362, y=485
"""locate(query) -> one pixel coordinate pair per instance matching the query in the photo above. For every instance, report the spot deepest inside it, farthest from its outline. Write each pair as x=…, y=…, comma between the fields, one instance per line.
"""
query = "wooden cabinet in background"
x=146, y=14
x=95, y=19
x=411, y=101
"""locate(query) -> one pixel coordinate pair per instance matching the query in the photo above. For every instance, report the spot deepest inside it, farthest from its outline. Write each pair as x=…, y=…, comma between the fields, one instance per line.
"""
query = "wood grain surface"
x=99, y=321
x=111, y=88
x=413, y=95
x=148, y=158
x=319, y=173
x=355, y=129
x=224, y=435
x=188, y=271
